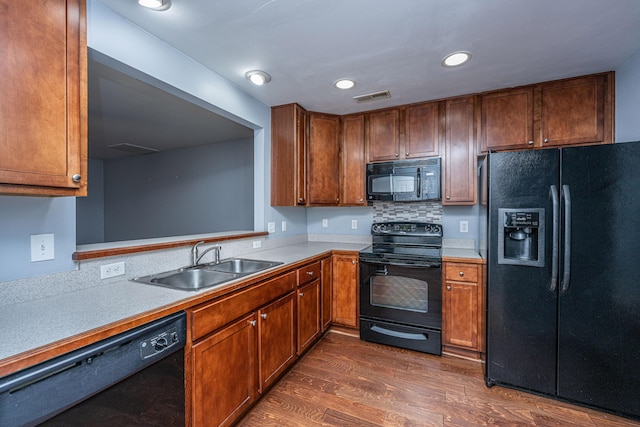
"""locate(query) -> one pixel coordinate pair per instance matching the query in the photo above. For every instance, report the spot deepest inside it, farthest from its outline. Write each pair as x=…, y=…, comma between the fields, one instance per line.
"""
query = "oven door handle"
x=402, y=264
x=397, y=334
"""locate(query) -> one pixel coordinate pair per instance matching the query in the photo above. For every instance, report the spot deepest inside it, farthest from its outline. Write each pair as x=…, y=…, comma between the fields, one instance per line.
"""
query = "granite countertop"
x=40, y=323
x=470, y=254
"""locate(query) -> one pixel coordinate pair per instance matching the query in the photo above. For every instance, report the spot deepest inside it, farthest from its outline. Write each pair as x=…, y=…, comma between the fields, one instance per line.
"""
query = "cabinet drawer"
x=308, y=273
x=210, y=316
x=461, y=272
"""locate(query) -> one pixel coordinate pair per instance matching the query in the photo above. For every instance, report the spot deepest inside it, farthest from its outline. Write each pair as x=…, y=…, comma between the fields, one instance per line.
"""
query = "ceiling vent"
x=372, y=96
x=132, y=148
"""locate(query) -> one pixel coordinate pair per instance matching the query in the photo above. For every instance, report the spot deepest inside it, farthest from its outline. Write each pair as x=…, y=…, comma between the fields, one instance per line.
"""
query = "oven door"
x=408, y=294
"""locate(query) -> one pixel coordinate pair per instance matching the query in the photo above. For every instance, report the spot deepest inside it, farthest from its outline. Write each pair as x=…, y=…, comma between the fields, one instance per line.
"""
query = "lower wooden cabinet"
x=223, y=368
x=308, y=297
x=345, y=289
x=276, y=339
x=327, y=293
x=463, y=309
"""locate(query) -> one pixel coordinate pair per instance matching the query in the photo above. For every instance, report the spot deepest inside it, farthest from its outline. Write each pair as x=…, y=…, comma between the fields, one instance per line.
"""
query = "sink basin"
x=206, y=275
x=242, y=266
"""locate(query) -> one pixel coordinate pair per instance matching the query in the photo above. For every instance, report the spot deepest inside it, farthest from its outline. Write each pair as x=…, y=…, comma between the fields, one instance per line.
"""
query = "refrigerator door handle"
x=566, y=194
x=553, y=193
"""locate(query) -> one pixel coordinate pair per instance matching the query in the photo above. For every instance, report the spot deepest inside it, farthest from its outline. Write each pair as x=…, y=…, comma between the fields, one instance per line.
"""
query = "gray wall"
x=189, y=191
x=90, y=209
x=627, y=120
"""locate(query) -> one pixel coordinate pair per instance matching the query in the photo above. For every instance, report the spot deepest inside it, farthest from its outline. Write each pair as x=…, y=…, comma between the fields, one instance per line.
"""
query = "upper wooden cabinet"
x=288, y=159
x=576, y=111
x=507, y=119
x=383, y=135
x=423, y=129
x=460, y=178
x=552, y=114
x=353, y=161
x=323, y=153
x=43, y=108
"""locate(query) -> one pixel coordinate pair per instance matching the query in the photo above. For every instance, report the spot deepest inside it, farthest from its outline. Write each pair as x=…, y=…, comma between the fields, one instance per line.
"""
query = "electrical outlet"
x=112, y=270
x=42, y=248
x=271, y=227
x=284, y=225
x=257, y=244
x=354, y=224
x=464, y=226
x=325, y=223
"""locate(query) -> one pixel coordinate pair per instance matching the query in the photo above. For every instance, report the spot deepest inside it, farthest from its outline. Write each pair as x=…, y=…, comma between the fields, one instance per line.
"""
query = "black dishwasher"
x=134, y=378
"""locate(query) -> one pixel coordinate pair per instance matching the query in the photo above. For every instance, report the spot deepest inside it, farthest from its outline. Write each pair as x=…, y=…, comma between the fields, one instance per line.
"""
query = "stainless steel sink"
x=206, y=275
x=242, y=266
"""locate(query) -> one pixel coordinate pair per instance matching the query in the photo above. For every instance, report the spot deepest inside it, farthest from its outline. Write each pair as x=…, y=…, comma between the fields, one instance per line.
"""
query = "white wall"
x=627, y=120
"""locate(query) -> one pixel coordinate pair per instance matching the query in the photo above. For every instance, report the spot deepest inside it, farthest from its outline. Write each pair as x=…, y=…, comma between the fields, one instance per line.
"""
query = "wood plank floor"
x=343, y=381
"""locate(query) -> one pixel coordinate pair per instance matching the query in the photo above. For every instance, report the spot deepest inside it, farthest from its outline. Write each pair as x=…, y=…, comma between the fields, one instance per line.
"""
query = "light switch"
x=42, y=247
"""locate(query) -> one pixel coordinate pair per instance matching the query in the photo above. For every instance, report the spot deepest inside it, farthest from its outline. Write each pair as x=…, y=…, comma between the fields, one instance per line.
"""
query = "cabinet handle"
x=301, y=200
x=397, y=154
x=546, y=140
x=252, y=322
x=361, y=200
x=310, y=273
x=461, y=274
x=530, y=142
x=407, y=154
x=76, y=178
x=338, y=200
x=301, y=294
x=263, y=315
x=448, y=197
x=353, y=261
x=448, y=287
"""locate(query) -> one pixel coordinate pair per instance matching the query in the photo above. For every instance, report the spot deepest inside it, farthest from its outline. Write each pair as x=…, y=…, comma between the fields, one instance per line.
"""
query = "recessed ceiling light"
x=155, y=4
x=344, y=84
x=456, y=58
x=258, y=77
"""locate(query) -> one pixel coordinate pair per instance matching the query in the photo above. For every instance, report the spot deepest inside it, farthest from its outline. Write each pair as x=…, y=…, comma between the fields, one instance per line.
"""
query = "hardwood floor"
x=343, y=381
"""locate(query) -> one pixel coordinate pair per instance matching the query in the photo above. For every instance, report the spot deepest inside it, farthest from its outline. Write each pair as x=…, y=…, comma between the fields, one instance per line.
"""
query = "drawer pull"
x=252, y=322
x=462, y=274
x=301, y=294
x=310, y=273
x=263, y=315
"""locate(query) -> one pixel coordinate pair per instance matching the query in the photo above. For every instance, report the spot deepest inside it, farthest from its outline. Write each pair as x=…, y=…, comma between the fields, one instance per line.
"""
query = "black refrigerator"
x=563, y=286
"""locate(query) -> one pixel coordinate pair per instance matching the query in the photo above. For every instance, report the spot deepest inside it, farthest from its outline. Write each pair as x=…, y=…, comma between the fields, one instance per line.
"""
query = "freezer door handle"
x=566, y=276
x=553, y=193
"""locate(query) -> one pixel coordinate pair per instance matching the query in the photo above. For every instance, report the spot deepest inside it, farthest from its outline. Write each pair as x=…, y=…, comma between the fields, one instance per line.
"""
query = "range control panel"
x=406, y=228
x=159, y=343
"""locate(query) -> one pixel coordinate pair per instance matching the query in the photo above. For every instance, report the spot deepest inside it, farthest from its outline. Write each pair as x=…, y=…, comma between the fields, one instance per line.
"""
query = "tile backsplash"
x=407, y=211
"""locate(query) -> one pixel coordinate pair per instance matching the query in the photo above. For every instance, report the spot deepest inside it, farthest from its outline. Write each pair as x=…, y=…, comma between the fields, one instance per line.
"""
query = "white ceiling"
x=396, y=45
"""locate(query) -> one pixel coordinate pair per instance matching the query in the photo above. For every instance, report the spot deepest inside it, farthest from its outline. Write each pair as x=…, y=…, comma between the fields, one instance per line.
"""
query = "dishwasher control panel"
x=159, y=343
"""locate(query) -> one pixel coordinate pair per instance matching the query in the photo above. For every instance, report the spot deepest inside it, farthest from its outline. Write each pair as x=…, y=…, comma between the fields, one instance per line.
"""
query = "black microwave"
x=404, y=180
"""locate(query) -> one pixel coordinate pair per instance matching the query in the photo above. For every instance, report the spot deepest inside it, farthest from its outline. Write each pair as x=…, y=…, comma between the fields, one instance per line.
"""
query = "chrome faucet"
x=195, y=257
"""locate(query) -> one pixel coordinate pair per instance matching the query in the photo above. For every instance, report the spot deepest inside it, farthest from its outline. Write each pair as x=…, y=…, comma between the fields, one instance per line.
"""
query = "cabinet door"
x=574, y=111
x=383, y=135
x=43, y=108
x=461, y=315
x=288, y=167
x=223, y=375
x=507, y=120
x=276, y=339
x=345, y=290
x=423, y=130
x=323, y=177
x=308, y=315
x=460, y=176
x=327, y=291
x=353, y=161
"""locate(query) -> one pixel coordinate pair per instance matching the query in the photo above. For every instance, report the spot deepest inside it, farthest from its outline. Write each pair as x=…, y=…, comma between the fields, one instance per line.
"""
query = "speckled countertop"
x=31, y=325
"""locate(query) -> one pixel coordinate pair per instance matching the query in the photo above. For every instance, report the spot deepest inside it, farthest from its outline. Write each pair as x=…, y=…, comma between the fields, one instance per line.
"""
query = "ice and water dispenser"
x=521, y=237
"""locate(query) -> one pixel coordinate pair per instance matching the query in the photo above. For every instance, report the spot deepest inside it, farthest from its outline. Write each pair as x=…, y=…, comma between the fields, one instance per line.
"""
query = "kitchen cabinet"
x=383, y=135
x=44, y=98
x=224, y=374
x=353, y=161
x=565, y=112
x=507, y=120
x=288, y=156
x=345, y=289
x=576, y=111
x=323, y=154
x=424, y=129
x=276, y=340
x=463, y=309
x=460, y=178
x=327, y=292
x=308, y=307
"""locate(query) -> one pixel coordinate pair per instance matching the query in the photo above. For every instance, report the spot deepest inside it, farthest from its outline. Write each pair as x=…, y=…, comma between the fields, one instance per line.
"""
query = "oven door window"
x=401, y=293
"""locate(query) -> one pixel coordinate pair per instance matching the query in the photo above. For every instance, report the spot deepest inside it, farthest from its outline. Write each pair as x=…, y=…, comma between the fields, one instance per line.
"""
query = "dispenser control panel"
x=522, y=219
